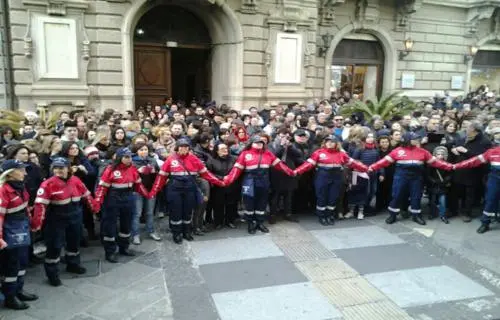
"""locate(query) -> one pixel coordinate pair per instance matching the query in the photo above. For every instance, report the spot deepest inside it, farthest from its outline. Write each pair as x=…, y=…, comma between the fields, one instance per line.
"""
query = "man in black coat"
x=282, y=185
x=467, y=182
x=304, y=198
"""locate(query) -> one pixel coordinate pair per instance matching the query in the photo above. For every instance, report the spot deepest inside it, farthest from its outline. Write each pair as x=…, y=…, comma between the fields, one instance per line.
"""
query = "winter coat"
x=148, y=169
x=33, y=180
x=220, y=167
x=475, y=147
x=433, y=140
x=202, y=153
x=292, y=157
x=438, y=181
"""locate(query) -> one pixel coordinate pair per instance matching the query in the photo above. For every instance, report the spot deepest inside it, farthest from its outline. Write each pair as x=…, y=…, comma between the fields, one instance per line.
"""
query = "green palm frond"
x=12, y=115
x=14, y=125
x=50, y=123
x=386, y=108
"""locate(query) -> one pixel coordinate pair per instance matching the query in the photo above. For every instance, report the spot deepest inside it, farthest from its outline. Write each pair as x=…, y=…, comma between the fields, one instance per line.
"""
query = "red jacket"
x=11, y=203
x=62, y=196
x=119, y=177
x=248, y=160
x=411, y=157
x=492, y=156
x=330, y=158
x=177, y=165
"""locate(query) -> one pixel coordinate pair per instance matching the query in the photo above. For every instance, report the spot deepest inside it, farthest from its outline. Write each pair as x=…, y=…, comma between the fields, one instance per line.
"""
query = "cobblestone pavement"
x=353, y=270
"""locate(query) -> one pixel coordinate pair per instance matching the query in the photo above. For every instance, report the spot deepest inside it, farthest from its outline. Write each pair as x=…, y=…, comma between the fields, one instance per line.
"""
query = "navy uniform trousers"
x=492, y=197
x=407, y=183
x=327, y=185
x=255, y=206
x=14, y=258
x=182, y=197
x=62, y=230
x=119, y=204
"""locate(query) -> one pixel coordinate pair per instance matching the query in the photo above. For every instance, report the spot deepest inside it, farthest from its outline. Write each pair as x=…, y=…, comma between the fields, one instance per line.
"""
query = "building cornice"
x=466, y=4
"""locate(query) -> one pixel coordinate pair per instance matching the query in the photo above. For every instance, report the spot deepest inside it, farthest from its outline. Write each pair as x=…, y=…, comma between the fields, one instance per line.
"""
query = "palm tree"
x=386, y=108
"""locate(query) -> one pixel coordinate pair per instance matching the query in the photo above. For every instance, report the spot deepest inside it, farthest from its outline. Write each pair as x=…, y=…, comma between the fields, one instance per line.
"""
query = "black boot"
x=330, y=220
x=177, y=238
x=467, y=218
x=323, y=221
x=55, y=281
x=76, y=269
x=252, y=228
x=25, y=296
x=445, y=220
x=391, y=219
x=483, y=228
x=126, y=252
x=262, y=227
x=187, y=236
x=418, y=219
x=112, y=257
x=14, y=303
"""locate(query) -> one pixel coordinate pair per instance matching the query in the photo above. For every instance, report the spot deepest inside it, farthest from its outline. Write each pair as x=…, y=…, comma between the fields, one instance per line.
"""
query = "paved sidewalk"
x=353, y=270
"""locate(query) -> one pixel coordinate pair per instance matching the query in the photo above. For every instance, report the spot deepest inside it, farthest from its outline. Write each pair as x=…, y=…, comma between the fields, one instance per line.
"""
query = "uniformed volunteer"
x=14, y=234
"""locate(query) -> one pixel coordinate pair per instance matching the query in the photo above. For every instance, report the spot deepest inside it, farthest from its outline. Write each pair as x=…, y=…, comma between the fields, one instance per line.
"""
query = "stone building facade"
x=67, y=54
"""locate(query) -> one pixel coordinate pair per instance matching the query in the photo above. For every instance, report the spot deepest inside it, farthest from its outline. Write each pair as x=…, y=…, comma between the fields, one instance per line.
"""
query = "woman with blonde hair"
x=164, y=139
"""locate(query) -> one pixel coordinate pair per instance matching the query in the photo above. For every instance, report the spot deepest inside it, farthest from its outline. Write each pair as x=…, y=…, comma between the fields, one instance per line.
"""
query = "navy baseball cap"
x=123, y=152
x=59, y=162
x=332, y=138
x=183, y=142
x=408, y=136
x=257, y=139
x=13, y=164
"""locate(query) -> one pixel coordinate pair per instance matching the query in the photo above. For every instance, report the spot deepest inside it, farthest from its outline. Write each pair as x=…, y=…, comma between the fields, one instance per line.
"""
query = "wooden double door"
x=182, y=73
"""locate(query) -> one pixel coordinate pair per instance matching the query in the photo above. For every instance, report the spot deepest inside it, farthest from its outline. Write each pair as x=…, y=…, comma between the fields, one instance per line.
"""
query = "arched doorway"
x=363, y=31
x=171, y=56
x=486, y=69
x=357, y=68
x=226, y=49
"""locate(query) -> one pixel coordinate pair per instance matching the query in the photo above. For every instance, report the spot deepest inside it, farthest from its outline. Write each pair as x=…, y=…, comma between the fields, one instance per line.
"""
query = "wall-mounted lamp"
x=327, y=39
x=408, y=43
x=471, y=54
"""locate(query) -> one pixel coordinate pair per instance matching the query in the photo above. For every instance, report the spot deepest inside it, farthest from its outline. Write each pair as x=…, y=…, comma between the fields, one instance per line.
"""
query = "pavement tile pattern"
x=354, y=270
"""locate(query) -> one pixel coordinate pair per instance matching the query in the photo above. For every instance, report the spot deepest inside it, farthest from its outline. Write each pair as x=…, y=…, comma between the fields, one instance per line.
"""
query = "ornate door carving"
x=152, y=67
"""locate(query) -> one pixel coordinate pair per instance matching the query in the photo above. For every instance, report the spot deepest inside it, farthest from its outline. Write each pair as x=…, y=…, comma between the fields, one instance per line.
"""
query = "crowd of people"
x=210, y=167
